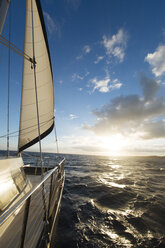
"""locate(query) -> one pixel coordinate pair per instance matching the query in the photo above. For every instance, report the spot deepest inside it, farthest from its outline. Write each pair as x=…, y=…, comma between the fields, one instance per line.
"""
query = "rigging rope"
x=15, y=49
x=55, y=131
x=8, y=104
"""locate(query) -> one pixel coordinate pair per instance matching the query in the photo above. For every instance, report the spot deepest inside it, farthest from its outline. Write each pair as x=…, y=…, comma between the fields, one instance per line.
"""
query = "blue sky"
x=108, y=66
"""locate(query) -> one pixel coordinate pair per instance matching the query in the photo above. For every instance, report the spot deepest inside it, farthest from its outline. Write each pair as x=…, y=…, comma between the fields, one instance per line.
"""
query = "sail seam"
x=39, y=87
x=37, y=71
x=29, y=42
x=41, y=117
x=40, y=101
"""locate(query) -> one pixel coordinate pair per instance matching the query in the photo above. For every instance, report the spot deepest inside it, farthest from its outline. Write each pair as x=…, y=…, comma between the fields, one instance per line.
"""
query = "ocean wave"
x=112, y=203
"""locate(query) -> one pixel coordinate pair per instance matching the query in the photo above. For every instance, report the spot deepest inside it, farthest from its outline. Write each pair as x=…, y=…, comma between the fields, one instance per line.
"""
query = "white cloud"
x=76, y=76
x=72, y=116
x=87, y=49
x=87, y=73
x=79, y=57
x=52, y=27
x=116, y=84
x=99, y=58
x=157, y=61
x=133, y=115
x=90, y=144
x=105, y=85
x=115, y=46
x=101, y=85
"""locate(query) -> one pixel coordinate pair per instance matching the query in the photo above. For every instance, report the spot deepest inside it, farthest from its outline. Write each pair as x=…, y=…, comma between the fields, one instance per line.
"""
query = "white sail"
x=28, y=134
x=4, y=4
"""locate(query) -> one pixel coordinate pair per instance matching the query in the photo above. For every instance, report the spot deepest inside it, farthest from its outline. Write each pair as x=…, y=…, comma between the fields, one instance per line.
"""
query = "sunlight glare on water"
x=116, y=238
x=112, y=203
x=104, y=181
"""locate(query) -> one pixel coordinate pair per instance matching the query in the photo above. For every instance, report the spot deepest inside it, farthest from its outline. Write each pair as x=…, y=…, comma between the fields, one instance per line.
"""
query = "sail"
x=4, y=4
x=28, y=133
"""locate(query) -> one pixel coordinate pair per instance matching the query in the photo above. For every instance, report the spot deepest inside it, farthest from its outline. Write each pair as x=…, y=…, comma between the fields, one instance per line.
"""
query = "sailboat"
x=30, y=195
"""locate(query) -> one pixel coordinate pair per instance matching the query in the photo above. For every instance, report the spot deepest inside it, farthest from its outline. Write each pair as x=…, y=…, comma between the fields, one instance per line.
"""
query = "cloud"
x=156, y=61
x=149, y=88
x=71, y=116
x=101, y=85
x=76, y=76
x=79, y=57
x=50, y=23
x=133, y=114
x=87, y=73
x=115, y=46
x=105, y=85
x=154, y=130
x=53, y=25
x=90, y=144
x=99, y=58
x=115, y=84
x=85, y=50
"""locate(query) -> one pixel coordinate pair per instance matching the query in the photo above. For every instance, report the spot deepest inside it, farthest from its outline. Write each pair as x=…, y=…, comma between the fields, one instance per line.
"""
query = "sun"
x=113, y=145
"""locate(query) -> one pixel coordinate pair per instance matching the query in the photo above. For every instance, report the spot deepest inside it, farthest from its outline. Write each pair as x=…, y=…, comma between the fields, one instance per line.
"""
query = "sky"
x=108, y=59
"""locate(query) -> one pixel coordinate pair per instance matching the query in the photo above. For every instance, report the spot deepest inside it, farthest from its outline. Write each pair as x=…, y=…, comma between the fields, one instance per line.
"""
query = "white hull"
x=14, y=227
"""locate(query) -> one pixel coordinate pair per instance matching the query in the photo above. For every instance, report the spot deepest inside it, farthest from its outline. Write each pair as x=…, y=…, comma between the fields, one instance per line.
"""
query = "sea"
x=112, y=202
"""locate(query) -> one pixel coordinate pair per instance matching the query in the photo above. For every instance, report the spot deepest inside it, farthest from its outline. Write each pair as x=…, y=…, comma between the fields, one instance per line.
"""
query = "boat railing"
x=42, y=164
x=34, y=215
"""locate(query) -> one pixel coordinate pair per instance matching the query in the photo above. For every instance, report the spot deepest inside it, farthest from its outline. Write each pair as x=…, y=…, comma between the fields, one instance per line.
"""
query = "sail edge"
x=34, y=141
x=38, y=4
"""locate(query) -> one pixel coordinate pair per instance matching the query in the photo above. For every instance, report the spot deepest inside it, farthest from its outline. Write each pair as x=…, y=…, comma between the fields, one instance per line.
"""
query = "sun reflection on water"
x=115, y=166
x=112, y=184
x=116, y=238
x=112, y=179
